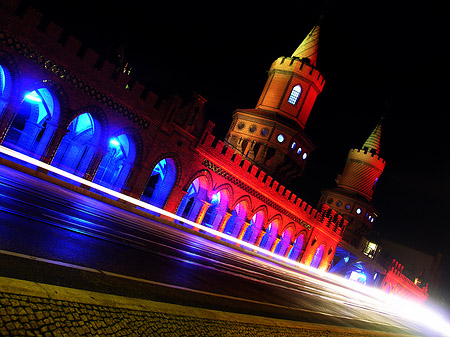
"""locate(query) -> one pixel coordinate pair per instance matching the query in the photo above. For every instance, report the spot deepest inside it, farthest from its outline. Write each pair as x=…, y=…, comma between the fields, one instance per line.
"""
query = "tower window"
x=295, y=94
x=293, y=145
x=280, y=138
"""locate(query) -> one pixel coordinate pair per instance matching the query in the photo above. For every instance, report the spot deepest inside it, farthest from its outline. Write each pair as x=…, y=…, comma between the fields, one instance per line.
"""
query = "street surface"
x=52, y=235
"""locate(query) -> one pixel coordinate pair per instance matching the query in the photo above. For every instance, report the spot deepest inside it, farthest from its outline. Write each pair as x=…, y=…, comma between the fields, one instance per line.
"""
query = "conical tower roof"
x=308, y=48
x=372, y=143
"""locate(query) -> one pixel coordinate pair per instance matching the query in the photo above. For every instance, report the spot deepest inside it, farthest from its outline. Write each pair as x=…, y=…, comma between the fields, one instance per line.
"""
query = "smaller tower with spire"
x=355, y=187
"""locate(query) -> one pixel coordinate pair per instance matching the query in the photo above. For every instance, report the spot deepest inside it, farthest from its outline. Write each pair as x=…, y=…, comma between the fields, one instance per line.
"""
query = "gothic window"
x=77, y=148
x=160, y=183
x=31, y=129
x=117, y=163
x=295, y=94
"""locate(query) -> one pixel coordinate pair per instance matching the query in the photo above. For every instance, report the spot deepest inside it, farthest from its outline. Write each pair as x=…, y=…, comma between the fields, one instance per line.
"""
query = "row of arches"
x=35, y=123
x=36, y=126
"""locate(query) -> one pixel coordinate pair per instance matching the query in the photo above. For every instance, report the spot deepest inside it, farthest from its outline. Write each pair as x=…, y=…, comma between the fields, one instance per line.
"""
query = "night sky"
x=377, y=57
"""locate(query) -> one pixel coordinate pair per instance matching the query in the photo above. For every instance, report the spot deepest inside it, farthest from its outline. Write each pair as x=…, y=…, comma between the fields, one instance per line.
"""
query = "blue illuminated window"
x=295, y=94
x=43, y=102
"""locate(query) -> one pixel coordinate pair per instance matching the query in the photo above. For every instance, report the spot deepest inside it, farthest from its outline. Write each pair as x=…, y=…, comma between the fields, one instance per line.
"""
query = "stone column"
x=54, y=144
x=201, y=213
x=6, y=120
x=94, y=164
x=223, y=223
x=275, y=244
x=244, y=227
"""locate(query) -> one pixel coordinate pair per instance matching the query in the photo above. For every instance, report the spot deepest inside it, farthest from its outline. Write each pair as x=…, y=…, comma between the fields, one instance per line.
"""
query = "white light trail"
x=369, y=297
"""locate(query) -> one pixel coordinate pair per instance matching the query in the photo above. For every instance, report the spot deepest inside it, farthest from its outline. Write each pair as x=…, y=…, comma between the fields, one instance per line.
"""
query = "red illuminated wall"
x=397, y=283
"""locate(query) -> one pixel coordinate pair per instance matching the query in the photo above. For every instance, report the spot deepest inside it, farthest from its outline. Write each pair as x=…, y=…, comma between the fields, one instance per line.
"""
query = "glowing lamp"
x=114, y=142
x=33, y=97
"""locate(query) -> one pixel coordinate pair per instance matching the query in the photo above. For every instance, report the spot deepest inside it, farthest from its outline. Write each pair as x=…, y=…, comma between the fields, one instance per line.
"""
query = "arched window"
x=295, y=94
x=254, y=228
x=297, y=247
x=34, y=124
x=194, y=199
x=317, y=257
x=237, y=219
x=77, y=148
x=160, y=183
x=117, y=163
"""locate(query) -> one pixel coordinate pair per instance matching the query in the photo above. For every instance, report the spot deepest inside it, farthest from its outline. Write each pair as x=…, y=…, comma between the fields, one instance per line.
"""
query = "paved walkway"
x=34, y=309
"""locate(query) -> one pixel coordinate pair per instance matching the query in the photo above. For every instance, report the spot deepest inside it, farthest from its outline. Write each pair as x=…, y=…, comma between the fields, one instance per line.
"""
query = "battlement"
x=397, y=270
x=63, y=50
x=237, y=169
x=296, y=65
x=367, y=156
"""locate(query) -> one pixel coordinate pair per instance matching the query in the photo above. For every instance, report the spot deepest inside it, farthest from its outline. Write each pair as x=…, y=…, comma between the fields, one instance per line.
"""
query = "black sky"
x=376, y=56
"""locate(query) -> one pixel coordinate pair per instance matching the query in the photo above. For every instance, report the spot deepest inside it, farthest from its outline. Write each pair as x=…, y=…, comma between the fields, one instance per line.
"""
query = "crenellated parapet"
x=224, y=161
x=65, y=57
x=396, y=282
x=361, y=172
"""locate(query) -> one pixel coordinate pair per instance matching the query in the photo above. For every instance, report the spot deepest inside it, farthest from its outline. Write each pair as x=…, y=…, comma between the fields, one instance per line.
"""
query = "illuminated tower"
x=272, y=134
x=355, y=186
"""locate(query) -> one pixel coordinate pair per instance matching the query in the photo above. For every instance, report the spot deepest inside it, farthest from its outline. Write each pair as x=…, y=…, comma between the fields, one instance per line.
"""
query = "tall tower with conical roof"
x=355, y=187
x=272, y=134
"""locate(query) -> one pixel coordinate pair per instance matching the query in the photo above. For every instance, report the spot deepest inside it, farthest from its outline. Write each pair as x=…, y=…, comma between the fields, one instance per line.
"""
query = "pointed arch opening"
x=160, y=183
x=216, y=211
x=237, y=219
x=270, y=235
x=34, y=124
x=284, y=243
x=317, y=258
x=254, y=228
x=79, y=145
x=116, y=165
x=192, y=202
x=297, y=248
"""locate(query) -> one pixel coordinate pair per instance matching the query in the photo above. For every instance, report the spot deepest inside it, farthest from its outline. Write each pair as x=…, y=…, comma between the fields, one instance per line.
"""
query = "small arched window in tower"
x=295, y=94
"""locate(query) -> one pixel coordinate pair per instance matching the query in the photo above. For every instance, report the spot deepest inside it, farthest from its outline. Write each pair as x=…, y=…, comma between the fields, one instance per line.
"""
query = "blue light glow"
x=114, y=142
x=215, y=199
x=2, y=80
x=82, y=123
x=33, y=97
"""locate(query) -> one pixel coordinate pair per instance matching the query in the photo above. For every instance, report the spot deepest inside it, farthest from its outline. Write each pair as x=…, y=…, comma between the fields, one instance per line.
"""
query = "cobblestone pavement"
x=35, y=316
x=34, y=309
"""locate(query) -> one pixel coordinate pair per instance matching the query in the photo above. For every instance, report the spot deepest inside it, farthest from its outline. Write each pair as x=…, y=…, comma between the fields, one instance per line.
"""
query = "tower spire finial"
x=308, y=48
x=372, y=144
